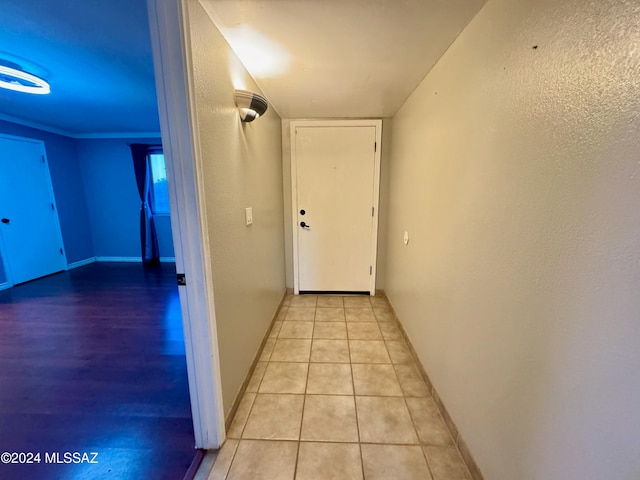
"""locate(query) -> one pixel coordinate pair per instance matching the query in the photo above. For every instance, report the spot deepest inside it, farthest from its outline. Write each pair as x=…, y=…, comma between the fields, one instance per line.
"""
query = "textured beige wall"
x=383, y=204
x=515, y=170
x=382, y=213
x=242, y=168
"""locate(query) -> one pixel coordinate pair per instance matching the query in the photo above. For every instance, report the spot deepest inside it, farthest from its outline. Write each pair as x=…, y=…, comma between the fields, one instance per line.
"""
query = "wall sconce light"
x=250, y=105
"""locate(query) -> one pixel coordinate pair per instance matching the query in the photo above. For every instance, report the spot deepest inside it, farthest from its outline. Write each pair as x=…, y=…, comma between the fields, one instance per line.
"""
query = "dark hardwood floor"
x=92, y=360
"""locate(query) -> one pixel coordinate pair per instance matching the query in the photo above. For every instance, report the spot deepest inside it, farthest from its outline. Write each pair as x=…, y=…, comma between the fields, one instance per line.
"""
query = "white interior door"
x=336, y=175
x=29, y=228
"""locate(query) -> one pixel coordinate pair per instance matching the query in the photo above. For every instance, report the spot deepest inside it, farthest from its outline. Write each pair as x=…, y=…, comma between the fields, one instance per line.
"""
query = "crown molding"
x=77, y=136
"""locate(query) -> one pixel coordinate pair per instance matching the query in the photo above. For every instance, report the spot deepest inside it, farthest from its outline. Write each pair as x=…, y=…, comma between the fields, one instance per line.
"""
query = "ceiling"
x=340, y=58
x=311, y=58
x=95, y=54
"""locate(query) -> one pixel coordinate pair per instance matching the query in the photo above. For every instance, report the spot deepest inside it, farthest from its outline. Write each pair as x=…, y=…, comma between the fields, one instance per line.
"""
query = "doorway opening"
x=93, y=353
x=335, y=178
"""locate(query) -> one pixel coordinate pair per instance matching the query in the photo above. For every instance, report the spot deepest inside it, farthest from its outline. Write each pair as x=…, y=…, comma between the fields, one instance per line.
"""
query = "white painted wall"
x=242, y=168
x=382, y=214
x=516, y=171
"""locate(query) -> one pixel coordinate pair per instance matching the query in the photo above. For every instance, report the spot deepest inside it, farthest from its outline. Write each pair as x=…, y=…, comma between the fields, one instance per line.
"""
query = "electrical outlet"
x=248, y=215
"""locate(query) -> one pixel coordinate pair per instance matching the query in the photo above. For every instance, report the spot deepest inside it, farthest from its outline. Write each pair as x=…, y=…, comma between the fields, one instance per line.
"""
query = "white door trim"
x=3, y=251
x=376, y=190
x=171, y=46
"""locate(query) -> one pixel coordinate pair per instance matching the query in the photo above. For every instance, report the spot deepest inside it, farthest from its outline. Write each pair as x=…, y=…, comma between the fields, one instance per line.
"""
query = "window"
x=160, y=190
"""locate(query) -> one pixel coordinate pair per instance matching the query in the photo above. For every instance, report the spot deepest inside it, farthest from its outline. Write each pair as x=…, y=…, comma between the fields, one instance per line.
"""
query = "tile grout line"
x=336, y=339
x=268, y=361
x=233, y=458
x=426, y=458
x=422, y=449
x=268, y=339
x=344, y=442
x=252, y=404
x=354, y=396
x=395, y=321
x=304, y=398
x=338, y=394
x=355, y=405
x=350, y=363
x=476, y=474
x=404, y=397
x=283, y=307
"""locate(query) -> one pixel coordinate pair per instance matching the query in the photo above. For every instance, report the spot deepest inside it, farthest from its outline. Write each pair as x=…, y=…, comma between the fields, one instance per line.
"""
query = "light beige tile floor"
x=337, y=395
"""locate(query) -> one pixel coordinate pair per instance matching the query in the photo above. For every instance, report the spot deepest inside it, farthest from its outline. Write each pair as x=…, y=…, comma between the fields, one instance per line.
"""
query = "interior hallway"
x=93, y=360
x=336, y=395
x=513, y=166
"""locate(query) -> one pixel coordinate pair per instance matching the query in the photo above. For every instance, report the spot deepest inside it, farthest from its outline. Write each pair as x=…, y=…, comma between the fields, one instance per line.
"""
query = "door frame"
x=377, y=124
x=168, y=21
x=3, y=251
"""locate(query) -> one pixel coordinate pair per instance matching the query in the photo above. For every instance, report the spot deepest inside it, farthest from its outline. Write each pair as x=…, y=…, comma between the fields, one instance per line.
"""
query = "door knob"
x=5, y=220
x=304, y=225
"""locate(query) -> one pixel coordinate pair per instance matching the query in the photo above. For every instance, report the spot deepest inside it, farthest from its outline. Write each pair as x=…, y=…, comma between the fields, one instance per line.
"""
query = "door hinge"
x=43, y=160
x=373, y=211
x=52, y=207
x=61, y=252
x=370, y=270
x=182, y=279
x=375, y=146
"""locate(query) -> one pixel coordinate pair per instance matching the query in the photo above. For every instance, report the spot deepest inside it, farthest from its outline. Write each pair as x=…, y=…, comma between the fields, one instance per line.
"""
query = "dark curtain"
x=148, y=237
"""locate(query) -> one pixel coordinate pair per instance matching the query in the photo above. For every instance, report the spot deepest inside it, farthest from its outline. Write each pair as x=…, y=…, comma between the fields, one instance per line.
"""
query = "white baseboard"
x=119, y=259
x=131, y=259
x=81, y=263
x=5, y=285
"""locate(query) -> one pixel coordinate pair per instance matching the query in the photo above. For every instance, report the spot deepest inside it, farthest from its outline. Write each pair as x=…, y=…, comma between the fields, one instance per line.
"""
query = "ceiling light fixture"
x=20, y=81
x=250, y=105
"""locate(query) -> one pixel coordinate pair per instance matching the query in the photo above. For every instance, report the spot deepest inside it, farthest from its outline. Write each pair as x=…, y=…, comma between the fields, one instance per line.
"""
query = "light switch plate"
x=405, y=238
x=248, y=215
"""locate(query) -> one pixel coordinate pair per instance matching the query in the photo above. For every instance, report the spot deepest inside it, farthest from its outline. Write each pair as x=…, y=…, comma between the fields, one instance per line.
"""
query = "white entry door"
x=29, y=228
x=335, y=178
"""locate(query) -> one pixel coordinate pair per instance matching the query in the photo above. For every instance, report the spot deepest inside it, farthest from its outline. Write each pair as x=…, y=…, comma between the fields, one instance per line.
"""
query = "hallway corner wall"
x=242, y=168
x=383, y=205
x=514, y=168
x=286, y=185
